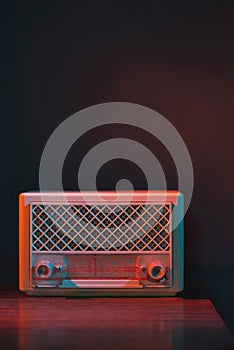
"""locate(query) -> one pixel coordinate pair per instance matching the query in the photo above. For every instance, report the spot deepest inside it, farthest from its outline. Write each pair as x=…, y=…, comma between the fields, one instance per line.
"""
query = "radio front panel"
x=74, y=247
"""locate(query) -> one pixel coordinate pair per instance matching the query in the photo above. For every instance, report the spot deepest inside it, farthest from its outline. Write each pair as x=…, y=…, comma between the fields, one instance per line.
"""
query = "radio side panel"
x=178, y=244
x=24, y=244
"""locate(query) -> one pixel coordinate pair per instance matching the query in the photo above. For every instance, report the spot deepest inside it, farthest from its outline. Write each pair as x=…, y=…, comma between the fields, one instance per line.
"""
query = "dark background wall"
x=177, y=58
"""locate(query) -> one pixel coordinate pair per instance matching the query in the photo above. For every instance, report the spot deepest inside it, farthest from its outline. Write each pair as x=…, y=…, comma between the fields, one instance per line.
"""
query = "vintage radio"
x=76, y=244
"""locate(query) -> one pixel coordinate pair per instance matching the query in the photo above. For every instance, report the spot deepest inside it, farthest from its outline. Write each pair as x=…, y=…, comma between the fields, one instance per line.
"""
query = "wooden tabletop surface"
x=110, y=323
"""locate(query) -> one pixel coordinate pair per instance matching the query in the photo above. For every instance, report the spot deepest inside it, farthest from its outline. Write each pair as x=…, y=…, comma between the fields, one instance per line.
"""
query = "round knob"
x=44, y=269
x=156, y=271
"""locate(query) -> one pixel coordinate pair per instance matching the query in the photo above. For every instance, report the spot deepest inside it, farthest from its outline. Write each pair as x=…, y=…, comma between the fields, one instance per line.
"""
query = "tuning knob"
x=44, y=269
x=156, y=271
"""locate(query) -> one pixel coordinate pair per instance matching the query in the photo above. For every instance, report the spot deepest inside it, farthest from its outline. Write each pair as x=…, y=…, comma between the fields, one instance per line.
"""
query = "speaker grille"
x=90, y=228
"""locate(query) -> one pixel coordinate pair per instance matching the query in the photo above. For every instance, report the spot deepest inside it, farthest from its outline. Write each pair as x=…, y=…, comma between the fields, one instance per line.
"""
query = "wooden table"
x=110, y=323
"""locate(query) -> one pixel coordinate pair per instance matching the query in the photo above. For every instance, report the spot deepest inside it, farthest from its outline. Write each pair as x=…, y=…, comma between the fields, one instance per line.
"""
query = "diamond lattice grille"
x=117, y=228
